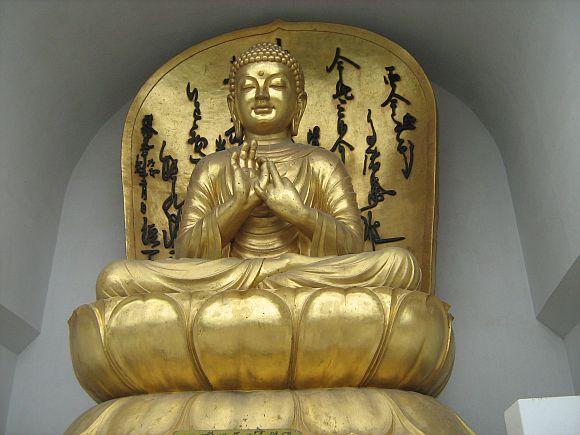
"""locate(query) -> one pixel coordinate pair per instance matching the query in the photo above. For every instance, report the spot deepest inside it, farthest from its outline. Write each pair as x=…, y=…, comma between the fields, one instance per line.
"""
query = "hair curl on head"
x=267, y=52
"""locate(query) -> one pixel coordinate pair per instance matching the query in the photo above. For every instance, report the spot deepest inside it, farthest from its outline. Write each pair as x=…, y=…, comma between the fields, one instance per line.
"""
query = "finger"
x=235, y=160
x=261, y=165
x=238, y=178
x=264, y=175
x=245, y=146
x=259, y=191
x=244, y=158
x=252, y=154
x=274, y=173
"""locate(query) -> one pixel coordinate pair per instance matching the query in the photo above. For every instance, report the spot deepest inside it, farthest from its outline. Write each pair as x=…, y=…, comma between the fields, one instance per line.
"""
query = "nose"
x=262, y=93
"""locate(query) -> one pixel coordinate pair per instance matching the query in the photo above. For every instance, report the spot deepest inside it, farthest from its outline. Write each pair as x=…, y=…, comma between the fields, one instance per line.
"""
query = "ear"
x=234, y=115
x=300, y=108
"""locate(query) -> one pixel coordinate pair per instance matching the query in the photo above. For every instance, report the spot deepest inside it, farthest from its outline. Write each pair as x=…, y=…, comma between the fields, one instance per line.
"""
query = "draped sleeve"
x=338, y=229
x=199, y=235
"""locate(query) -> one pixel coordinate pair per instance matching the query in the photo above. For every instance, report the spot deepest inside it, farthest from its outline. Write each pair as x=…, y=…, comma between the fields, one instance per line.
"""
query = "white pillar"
x=544, y=416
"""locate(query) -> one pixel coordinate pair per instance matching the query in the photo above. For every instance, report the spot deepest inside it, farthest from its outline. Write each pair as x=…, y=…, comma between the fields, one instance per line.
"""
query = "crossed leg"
x=392, y=267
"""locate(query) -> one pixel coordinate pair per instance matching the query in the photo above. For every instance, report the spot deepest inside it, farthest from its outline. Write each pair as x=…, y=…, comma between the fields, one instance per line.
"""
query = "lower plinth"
x=317, y=411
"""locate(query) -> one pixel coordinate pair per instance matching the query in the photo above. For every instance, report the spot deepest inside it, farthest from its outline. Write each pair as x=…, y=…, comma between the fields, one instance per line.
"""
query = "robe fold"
x=267, y=251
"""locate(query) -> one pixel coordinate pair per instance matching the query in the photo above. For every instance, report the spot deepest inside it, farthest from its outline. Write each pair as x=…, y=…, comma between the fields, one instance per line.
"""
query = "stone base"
x=318, y=411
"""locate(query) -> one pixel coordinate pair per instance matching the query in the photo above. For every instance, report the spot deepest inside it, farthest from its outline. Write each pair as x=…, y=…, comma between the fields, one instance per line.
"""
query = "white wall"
x=501, y=348
x=572, y=342
x=45, y=395
x=50, y=111
x=536, y=127
x=503, y=352
x=7, y=366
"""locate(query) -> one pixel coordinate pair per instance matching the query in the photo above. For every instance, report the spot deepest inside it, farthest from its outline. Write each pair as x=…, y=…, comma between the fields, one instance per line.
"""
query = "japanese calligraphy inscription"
x=369, y=102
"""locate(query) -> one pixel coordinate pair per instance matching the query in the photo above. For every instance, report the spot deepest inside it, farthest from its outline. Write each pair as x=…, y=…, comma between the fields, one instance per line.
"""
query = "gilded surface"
x=270, y=213
x=288, y=261
x=260, y=339
x=187, y=98
x=240, y=432
x=332, y=411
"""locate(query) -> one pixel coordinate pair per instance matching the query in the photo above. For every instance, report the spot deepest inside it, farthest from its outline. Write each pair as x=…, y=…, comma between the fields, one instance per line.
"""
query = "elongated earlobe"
x=300, y=108
x=238, y=128
x=237, y=124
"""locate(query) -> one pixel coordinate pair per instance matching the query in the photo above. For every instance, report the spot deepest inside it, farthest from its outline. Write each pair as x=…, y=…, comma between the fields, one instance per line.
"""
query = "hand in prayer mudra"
x=270, y=214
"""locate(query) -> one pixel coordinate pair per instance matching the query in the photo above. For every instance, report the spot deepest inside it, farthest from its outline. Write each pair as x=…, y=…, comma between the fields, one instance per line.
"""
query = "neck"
x=267, y=139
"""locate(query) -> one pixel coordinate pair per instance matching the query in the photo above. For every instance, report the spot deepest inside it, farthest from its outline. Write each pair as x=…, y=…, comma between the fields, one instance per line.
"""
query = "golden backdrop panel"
x=368, y=101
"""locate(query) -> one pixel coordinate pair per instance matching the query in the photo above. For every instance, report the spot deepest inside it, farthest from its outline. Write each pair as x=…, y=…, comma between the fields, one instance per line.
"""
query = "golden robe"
x=267, y=252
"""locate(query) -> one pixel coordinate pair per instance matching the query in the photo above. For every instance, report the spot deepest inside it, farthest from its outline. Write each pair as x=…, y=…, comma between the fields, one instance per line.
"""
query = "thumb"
x=259, y=191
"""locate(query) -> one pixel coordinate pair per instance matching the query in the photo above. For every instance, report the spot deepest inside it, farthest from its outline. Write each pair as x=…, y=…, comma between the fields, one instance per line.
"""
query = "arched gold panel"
x=368, y=100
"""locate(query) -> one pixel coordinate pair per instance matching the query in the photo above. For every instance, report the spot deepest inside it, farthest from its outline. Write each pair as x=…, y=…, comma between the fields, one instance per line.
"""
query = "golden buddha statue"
x=270, y=315
x=271, y=213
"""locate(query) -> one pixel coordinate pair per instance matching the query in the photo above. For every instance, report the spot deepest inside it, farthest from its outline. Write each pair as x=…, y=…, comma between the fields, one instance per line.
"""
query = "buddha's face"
x=266, y=99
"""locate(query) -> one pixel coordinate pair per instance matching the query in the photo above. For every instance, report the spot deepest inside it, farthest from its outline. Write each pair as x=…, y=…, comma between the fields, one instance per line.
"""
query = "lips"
x=263, y=110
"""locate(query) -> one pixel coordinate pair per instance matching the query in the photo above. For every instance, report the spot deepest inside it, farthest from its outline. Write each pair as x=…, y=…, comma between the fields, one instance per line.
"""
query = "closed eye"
x=278, y=83
x=248, y=85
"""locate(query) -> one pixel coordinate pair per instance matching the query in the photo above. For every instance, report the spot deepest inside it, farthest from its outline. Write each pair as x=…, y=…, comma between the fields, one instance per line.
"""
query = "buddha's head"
x=266, y=91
